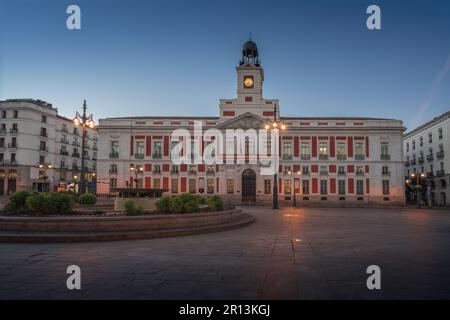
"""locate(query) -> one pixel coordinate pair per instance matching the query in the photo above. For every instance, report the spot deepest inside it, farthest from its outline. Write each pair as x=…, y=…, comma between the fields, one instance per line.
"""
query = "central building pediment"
x=244, y=121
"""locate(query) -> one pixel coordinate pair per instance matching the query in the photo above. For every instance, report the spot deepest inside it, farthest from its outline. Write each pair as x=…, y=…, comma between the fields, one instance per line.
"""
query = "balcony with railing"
x=8, y=163
x=440, y=173
x=385, y=157
x=341, y=172
x=287, y=156
x=341, y=157
x=64, y=152
x=305, y=156
x=323, y=156
x=113, y=155
x=43, y=134
x=76, y=154
x=75, y=143
x=210, y=171
x=359, y=156
x=156, y=170
x=420, y=160
x=385, y=173
x=413, y=162
x=430, y=157
x=64, y=141
x=139, y=155
x=323, y=172
x=157, y=155
x=14, y=130
x=407, y=163
x=2, y=131
x=174, y=171
x=440, y=155
x=430, y=174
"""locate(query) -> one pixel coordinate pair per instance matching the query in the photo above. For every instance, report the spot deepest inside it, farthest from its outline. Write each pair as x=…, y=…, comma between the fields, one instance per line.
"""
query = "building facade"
x=426, y=152
x=323, y=160
x=41, y=150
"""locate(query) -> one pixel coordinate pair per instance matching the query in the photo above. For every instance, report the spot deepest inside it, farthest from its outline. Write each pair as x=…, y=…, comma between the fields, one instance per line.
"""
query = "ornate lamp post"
x=83, y=120
x=136, y=170
x=294, y=200
x=276, y=125
x=45, y=166
x=418, y=187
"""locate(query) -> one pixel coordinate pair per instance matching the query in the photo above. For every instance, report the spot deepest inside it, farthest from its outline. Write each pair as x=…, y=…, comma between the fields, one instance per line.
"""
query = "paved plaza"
x=292, y=253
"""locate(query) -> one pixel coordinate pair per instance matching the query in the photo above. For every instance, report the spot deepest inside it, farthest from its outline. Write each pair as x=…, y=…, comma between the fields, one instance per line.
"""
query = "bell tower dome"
x=250, y=54
x=249, y=89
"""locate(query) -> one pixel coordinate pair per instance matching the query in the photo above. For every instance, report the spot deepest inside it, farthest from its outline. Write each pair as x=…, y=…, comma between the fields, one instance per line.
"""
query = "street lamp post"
x=136, y=170
x=294, y=200
x=276, y=126
x=418, y=186
x=45, y=166
x=83, y=120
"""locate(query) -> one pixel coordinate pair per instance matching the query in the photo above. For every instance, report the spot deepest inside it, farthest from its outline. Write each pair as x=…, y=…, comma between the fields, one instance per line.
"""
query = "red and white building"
x=344, y=160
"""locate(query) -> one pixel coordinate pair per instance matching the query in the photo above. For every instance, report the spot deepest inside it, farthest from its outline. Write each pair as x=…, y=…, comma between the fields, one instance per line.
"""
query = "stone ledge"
x=137, y=228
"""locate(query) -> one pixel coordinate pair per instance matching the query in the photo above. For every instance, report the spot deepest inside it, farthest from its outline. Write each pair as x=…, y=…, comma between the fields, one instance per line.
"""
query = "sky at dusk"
x=156, y=58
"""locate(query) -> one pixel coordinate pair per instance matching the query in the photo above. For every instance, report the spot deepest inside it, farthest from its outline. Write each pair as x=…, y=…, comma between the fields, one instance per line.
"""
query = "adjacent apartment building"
x=40, y=150
x=426, y=151
x=344, y=160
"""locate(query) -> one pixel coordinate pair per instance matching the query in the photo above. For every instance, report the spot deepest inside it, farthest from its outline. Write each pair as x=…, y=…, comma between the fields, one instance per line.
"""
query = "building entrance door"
x=248, y=186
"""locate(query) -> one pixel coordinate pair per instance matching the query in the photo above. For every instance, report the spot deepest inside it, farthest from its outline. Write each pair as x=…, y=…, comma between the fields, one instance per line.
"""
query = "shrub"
x=177, y=205
x=40, y=203
x=17, y=203
x=200, y=199
x=74, y=195
x=88, y=198
x=131, y=209
x=215, y=203
x=191, y=206
x=163, y=204
x=61, y=203
x=187, y=197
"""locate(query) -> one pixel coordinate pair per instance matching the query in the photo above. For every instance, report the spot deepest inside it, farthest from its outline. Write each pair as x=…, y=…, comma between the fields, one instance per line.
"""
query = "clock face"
x=248, y=82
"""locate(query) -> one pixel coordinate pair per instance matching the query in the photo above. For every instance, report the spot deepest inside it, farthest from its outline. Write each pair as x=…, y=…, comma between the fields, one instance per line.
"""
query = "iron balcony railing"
x=440, y=173
x=385, y=157
x=323, y=157
x=430, y=174
x=420, y=160
x=440, y=154
x=305, y=156
x=139, y=155
x=359, y=157
x=430, y=157
x=341, y=156
x=113, y=154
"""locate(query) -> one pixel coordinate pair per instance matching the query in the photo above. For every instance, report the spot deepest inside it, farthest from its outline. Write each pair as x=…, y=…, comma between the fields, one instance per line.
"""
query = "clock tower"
x=250, y=78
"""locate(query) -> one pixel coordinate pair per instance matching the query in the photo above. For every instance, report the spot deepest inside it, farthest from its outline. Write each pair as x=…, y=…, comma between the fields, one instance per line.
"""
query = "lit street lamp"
x=276, y=124
x=418, y=187
x=138, y=169
x=83, y=120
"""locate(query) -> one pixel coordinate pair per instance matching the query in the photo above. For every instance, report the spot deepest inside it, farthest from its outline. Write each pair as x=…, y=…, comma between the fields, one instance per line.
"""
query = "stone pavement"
x=301, y=253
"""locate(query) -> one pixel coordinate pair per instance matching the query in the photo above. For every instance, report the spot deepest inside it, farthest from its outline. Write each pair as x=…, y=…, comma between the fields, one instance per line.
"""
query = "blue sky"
x=178, y=57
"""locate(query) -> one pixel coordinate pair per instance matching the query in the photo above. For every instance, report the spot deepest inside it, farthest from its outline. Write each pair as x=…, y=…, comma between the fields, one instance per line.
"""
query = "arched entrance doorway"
x=248, y=186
